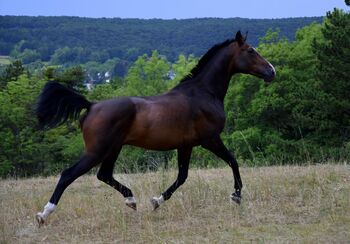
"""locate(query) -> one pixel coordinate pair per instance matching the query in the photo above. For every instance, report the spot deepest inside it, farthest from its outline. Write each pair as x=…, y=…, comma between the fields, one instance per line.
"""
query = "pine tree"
x=333, y=55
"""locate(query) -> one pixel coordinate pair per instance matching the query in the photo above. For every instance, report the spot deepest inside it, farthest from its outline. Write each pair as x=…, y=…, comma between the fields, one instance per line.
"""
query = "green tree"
x=74, y=55
x=181, y=68
x=19, y=145
x=148, y=76
x=333, y=54
x=29, y=56
x=12, y=72
x=73, y=77
x=26, y=150
x=279, y=121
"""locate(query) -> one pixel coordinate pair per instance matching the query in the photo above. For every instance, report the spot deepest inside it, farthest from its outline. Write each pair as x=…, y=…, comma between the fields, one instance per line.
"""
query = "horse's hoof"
x=155, y=203
x=131, y=202
x=236, y=198
x=40, y=219
x=131, y=205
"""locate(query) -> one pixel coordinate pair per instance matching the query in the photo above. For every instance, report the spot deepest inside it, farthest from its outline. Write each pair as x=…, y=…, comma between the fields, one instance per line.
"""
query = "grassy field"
x=286, y=204
x=5, y=60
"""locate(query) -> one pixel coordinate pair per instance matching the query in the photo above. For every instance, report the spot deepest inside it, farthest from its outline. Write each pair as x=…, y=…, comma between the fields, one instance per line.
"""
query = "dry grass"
x=281, y=204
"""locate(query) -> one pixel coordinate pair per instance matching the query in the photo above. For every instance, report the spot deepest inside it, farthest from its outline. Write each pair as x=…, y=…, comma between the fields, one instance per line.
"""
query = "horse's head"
x=248, y=61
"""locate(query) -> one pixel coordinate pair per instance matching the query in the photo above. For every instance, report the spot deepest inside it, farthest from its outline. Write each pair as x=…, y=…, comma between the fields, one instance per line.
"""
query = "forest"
x=114, y=44
x=303, y=117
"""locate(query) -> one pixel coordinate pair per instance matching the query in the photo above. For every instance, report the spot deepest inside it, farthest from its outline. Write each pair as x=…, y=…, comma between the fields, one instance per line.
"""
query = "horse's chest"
x=207, y=127
x=210, y=120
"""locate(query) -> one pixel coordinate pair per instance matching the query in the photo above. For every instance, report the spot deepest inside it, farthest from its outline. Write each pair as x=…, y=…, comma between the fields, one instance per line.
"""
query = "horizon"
x=181, y=9
x=135, y=18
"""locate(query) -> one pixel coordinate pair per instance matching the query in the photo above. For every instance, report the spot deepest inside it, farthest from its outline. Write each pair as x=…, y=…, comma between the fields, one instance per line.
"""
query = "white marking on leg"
x=130, y=200
x=42, y=216
x=160, y=199
x=156, y=201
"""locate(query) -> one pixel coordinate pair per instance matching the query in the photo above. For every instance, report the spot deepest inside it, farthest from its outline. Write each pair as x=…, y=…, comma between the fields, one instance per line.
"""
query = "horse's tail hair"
x=58, y=103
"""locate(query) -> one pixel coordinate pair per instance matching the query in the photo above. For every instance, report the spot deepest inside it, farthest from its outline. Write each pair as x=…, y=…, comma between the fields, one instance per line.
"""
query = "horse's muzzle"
x=269, y=74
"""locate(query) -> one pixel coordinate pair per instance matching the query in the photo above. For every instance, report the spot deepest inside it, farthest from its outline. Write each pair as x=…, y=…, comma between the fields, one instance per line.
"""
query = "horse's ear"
x=239, y=38
x=246, y=36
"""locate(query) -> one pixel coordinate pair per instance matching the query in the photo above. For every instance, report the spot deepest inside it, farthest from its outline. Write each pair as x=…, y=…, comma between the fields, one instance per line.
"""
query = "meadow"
x=281, y=204
x=5, y=60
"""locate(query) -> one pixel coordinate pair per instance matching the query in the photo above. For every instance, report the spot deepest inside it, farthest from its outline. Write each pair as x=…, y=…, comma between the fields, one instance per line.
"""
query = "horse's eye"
x=250, y=50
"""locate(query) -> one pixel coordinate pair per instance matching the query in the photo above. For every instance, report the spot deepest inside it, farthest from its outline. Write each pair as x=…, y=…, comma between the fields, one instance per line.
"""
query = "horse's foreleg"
x=184, y=155
x=86, y=162
x=218, y=148
x=105, y=174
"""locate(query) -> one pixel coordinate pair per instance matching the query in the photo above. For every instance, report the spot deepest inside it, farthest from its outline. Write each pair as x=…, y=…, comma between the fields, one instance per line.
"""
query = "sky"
x=171, y=9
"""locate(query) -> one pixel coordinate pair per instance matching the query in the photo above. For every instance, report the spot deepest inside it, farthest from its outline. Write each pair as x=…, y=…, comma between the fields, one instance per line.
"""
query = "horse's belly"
x=160, y=139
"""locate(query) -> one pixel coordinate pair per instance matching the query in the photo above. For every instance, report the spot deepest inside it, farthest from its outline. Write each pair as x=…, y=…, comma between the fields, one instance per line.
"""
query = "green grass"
x=5, y=60
x=285, y=204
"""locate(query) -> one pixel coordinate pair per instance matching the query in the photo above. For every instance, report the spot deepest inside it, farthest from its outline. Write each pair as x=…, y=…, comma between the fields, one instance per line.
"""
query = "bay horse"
x=189, y=115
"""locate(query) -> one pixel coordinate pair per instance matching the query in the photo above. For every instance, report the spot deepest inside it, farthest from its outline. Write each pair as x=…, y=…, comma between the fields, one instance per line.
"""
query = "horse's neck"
x=216, y=77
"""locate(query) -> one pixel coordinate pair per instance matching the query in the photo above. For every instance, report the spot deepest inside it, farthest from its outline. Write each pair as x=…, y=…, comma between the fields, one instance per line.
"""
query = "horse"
x=189, y=115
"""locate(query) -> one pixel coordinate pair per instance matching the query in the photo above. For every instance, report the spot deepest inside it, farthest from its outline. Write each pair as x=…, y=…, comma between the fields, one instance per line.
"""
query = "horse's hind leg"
x=86, y=162
x=105, y=174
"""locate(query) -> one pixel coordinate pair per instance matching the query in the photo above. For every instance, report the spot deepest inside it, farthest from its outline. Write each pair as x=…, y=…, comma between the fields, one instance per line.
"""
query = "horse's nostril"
x=270, y=74
x=273, y=71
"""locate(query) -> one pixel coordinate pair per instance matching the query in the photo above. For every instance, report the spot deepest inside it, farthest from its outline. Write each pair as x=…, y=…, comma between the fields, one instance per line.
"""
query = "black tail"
x=57, y=103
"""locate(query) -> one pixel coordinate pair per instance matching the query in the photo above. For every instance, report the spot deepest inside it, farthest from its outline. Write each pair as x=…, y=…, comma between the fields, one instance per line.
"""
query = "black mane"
x=205, y=59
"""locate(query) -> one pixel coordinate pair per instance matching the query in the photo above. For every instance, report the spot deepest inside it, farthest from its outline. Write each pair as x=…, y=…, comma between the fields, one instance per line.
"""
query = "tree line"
x=302, y=117
x=75, y=40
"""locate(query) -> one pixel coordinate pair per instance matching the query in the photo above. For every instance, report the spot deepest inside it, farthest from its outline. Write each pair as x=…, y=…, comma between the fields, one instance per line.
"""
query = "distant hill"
x=82, y=39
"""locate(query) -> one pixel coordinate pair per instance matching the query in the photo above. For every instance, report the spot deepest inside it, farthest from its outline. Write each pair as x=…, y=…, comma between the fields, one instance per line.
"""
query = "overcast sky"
x=169, y=9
